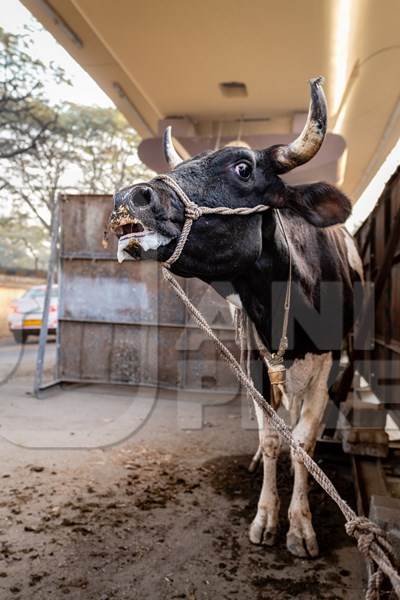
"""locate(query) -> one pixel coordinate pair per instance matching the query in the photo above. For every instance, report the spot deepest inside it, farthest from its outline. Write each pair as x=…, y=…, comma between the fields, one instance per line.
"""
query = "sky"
x=13, y=17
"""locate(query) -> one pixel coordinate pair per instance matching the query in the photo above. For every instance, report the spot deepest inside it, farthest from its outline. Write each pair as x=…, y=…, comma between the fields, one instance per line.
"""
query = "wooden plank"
x=379, y=237
x=369, y=479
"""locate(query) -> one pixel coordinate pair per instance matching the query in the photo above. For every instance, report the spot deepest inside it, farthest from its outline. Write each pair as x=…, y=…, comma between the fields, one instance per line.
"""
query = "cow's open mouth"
x=132, y=228
x=134, y=238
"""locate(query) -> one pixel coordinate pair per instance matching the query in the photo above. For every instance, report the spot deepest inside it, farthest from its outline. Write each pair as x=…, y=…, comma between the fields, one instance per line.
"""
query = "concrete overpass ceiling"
x=183, y=51
x=158, y=60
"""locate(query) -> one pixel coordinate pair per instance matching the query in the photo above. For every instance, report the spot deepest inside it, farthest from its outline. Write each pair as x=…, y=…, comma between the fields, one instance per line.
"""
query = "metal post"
x=46, y=307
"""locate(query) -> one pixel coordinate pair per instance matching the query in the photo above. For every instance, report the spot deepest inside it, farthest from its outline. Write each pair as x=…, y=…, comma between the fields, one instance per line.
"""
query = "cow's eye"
x=243, y=170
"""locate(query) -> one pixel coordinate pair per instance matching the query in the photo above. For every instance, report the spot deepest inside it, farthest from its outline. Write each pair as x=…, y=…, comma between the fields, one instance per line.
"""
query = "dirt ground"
x=162, y=516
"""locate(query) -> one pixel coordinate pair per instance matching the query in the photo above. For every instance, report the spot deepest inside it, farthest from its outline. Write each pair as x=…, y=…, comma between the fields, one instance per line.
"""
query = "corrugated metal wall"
x=122, y=323
x=381, y=365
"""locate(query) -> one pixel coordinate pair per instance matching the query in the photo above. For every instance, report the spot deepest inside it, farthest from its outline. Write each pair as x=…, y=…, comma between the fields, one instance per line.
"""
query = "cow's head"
x=148, y=217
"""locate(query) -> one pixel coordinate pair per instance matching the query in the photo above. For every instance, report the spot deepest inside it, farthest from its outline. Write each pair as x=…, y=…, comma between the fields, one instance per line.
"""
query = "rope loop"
x=374, y=546
x=193, y=212
x=374, y=586
x=367, y=533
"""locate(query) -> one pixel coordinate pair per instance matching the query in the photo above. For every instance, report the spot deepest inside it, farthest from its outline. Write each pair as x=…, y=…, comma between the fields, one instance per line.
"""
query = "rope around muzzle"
x=371, y=540
x=194, y=211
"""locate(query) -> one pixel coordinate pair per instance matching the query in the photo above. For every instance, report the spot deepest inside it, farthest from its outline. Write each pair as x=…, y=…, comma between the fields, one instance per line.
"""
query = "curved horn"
x=304, y=147
x=171, y=155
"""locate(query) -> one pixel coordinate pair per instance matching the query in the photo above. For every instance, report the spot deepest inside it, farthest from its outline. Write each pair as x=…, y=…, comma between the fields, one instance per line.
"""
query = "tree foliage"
x=24, y=119
x=23, y=244
x=51, y=149
x=106, y=153
x=86, y=150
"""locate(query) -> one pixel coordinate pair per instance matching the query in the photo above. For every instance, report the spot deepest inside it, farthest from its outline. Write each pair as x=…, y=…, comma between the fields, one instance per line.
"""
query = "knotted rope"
x=372, y=541
x=193, y=212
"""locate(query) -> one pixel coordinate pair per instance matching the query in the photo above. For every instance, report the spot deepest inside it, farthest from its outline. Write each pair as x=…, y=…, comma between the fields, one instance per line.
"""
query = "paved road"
x=17, y=360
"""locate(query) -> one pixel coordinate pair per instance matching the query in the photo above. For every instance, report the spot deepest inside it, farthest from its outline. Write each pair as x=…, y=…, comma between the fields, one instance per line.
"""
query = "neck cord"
x=274, y=361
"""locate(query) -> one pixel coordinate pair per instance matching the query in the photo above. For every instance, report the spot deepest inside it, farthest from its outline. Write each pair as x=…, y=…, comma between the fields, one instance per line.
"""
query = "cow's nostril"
x=142, y=197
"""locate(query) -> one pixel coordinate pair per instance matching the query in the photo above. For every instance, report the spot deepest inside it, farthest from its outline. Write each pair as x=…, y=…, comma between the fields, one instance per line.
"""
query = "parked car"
x=25, y=317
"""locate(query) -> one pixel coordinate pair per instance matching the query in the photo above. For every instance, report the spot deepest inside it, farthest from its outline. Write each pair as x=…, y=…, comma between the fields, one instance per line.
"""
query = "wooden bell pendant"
x=277, y=374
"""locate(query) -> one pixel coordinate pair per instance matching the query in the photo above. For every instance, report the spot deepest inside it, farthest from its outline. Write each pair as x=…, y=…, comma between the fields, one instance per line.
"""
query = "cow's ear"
x=320, y=204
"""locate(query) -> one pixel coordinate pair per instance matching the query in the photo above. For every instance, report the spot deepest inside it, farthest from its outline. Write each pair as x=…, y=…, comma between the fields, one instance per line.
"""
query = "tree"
x=86, y=150
x=106, y=152
x=31, y=181
x=23, y=244
x=24, y=119
x=49, y=149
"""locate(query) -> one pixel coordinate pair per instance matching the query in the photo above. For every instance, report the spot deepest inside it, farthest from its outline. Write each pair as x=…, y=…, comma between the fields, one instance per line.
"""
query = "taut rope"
x=372, y=541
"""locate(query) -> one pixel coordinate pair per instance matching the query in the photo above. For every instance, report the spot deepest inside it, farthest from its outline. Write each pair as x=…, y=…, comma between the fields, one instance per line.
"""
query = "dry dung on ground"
x=141, y=523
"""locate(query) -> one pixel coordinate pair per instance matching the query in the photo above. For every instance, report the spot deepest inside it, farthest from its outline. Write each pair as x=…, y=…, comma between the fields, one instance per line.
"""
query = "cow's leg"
x=255, y=460
x=264, y=527
x=301, y=539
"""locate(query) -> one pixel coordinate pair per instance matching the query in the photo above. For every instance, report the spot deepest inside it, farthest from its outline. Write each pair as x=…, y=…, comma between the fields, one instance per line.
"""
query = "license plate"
x=32, y=323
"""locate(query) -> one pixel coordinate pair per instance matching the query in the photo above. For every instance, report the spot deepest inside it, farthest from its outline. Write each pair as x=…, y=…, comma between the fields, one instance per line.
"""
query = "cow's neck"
x=316, y=261
x=262, y=289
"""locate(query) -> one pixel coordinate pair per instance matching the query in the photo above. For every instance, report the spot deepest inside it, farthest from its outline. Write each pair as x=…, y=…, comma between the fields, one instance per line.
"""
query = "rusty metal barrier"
x=379, y=242
x=121, y=323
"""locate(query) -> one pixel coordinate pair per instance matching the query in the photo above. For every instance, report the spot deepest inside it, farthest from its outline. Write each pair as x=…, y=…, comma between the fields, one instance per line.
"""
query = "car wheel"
x=20, y=336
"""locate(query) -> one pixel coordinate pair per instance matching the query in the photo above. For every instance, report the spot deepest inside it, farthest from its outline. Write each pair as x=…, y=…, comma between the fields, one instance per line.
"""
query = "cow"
x=246, y=259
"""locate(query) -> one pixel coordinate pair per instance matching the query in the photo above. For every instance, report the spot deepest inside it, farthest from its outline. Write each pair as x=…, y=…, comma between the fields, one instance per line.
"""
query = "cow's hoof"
x=269, y=537
x=259, y=534
x=302, y=547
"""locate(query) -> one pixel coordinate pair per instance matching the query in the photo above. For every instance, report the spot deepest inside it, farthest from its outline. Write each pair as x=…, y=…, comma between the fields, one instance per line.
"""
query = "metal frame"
x=46, y=306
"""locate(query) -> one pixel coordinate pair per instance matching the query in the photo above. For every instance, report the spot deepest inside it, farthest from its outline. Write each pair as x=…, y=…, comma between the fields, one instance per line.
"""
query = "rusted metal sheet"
x=121, y=323
x=379, y=239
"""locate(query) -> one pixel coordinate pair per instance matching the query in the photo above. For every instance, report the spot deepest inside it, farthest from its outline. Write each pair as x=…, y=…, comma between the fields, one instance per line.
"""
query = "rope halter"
x=273, y=360
x=194, y=211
